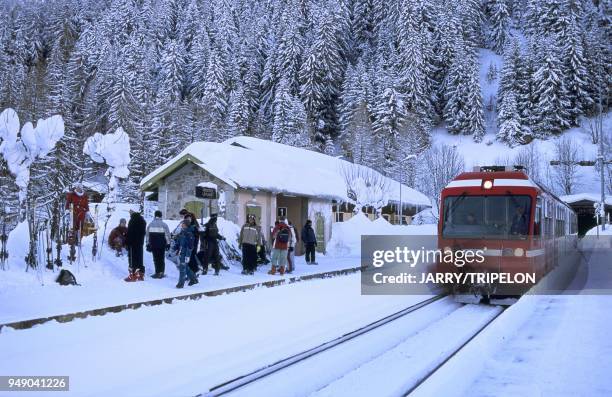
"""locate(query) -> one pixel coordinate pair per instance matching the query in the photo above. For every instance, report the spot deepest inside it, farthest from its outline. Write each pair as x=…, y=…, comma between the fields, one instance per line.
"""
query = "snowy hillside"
x=365, y=80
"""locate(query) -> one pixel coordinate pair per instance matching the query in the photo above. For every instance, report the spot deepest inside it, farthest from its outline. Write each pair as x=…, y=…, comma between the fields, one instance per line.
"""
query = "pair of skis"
x=3, y=250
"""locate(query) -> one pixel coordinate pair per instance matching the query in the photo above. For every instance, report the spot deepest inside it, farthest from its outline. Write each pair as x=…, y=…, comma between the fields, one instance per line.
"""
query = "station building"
x=272, y=180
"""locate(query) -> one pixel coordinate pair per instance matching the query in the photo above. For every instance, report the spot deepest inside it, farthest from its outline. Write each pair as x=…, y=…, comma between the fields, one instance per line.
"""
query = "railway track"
x=268, y=370
x=430, y=373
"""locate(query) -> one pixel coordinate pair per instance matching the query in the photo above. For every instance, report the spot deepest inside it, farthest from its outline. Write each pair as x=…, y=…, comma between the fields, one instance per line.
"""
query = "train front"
x=485, y=236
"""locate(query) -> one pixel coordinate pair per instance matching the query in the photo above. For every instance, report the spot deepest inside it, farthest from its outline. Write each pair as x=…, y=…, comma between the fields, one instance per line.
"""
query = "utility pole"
x=602, y=163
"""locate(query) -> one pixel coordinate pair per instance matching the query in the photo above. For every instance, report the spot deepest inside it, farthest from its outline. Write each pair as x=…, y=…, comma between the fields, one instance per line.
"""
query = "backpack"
x=65, y=277
x=283, y=235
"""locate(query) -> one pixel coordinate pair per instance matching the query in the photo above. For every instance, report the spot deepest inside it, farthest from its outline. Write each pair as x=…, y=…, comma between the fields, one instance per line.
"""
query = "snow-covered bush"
x=21, y=149
x=112, y=149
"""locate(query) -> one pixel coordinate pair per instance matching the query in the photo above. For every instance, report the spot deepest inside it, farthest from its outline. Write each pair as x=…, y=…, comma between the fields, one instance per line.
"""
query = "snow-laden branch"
x=365, y=187
x=21, y=150
x=112, y=149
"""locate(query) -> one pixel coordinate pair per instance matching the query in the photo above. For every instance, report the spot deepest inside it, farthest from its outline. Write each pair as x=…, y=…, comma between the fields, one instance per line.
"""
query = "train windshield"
x=503, y=217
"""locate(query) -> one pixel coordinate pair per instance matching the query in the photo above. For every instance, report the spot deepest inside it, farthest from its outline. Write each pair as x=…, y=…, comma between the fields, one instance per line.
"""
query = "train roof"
x=517, y=178
x=491, y=175
x=499, y=179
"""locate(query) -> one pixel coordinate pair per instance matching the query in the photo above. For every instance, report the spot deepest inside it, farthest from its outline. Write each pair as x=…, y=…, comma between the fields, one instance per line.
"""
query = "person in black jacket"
x=137, y=230
x=309, y=239
x=210, y=239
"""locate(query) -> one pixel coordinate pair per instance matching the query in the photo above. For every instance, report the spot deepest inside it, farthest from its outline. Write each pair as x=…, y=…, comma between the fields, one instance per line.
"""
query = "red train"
x=520, y=229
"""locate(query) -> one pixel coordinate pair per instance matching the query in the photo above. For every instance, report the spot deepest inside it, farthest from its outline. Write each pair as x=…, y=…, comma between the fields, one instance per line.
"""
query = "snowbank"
x=593, y=231
x=346, y=236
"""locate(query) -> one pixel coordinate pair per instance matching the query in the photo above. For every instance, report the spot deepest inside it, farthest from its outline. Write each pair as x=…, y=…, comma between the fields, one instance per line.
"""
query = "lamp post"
x=401, y=204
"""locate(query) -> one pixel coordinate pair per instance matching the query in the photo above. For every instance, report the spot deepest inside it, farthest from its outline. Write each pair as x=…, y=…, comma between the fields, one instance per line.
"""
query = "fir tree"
x=500, y=21
x=510, y=129
x=551, y=93
x=289, y=118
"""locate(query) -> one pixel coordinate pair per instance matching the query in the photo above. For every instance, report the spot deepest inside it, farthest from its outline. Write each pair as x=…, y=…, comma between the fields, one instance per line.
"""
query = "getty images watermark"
x=458, y=258
x=417, y=265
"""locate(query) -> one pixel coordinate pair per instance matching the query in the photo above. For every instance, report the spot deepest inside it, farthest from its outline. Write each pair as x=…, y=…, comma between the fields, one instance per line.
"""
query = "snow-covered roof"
x=258, y=164
x=594, y=197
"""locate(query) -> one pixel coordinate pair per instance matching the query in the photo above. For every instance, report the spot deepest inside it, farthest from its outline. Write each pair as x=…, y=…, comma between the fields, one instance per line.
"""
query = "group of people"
x=132, y=236
x=193, y=248
x=284, y=242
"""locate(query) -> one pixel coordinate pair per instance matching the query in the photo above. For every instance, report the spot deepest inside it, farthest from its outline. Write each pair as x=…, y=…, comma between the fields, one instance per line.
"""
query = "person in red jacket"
x=281, y=236
x=78, y=202
x=118, y=237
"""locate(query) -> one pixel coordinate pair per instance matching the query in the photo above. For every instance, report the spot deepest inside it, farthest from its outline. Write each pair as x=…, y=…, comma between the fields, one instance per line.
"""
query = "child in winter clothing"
x=183, y=246
x=118, y=237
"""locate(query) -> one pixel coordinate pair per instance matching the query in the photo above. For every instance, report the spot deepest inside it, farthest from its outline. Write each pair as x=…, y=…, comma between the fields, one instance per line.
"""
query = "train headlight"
x=488, y=184
x=519, y=252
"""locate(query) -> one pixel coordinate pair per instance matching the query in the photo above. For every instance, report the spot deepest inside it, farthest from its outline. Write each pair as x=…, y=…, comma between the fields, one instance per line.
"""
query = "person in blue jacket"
x=183, y=245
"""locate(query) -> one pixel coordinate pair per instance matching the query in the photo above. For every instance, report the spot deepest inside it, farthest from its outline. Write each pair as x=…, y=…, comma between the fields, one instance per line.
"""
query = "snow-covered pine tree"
x=533, y=17
x=526, y=96
x=215, y=97
x=290, y=125
x=456, y=89
x=239, y=113
x=475, y=112
x=576, y=73
x=500, y=25
x=389, y=117
x=444, y=41
x=290, y=51
x=510, y=129
x=411, y=64
x=511, y=76
x=321, y=76
x=551, y=93
x=472, y=19
x=357, y=133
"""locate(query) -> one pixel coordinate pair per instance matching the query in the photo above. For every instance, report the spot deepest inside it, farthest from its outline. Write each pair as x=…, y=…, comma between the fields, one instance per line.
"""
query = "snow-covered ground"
x=188, y=347
x=595, y=230
x=564, y=347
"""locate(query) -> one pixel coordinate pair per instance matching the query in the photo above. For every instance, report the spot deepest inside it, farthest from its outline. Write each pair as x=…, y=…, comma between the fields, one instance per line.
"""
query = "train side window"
x=548, y=219
x=538, y=220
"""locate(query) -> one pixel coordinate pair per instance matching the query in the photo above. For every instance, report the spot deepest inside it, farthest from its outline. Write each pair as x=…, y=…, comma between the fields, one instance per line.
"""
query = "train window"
x=486, y=216
x=548, y=222
x=538, y=218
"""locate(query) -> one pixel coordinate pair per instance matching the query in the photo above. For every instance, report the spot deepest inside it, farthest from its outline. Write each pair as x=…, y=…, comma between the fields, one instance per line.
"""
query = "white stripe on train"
x=496, y=183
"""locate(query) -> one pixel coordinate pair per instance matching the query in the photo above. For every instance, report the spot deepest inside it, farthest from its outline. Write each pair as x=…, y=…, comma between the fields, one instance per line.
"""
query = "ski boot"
x=272, y=271
x=282, y=270
x=131, y=277
x=139, y=275
x=192, y=282
x=180, y=285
